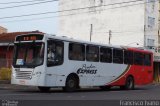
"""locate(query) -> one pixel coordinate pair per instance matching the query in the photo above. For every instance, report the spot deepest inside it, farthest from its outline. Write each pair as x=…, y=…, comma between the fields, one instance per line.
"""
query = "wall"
x=151, y=22
x=125, y=20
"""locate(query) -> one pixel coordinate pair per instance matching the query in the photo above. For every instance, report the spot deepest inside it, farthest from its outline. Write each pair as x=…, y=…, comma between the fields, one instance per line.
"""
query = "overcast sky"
x=47, y=25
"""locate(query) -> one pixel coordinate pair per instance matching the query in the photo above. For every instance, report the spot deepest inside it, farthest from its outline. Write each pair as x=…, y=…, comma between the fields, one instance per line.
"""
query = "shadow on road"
x=84, y=90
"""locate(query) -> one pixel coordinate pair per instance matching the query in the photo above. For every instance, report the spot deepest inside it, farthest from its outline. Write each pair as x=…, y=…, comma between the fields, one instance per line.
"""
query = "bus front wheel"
x=71, y=84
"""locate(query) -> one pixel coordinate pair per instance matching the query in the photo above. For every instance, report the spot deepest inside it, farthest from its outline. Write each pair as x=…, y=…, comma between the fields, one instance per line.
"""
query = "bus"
x=49, y=61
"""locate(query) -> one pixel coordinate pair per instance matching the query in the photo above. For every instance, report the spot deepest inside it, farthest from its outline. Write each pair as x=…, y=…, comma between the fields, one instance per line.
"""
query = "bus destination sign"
x=31, y=37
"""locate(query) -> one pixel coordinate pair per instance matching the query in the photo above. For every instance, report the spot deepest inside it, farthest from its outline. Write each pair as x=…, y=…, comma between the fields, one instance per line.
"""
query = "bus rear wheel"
x=129, y=85
x=44, y=89
x=71, y=84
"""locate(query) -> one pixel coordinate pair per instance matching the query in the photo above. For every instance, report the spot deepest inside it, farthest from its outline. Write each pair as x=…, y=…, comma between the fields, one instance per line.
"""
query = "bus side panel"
x=148, y=75
x=120, y=81
x=142, y=75
x=138, y=74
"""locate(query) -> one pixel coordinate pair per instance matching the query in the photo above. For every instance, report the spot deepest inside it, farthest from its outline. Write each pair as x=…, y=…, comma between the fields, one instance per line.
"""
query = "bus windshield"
x=28, y=54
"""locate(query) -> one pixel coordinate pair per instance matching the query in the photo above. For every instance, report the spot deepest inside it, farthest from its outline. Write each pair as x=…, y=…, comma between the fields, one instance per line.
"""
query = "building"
x=7, y=47
x=116, y=22
x=3, y=30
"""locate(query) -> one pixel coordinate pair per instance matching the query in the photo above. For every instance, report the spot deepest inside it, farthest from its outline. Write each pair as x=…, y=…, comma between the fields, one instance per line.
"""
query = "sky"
x=31, y=23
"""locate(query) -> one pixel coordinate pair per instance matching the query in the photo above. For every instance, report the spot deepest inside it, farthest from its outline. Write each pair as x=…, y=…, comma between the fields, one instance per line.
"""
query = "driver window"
x=55, y=53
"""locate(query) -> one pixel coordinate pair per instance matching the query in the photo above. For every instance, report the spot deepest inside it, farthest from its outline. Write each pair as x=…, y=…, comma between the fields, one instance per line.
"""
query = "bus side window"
x=106, y=55
x=118, y=56
x=147, y=59
x=138, y=58
x=55, y=51
x=76, y=51
x=92, y=53
x=128, y=57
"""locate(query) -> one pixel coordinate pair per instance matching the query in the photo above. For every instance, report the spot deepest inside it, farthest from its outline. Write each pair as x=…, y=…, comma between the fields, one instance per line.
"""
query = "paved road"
x=19, y=93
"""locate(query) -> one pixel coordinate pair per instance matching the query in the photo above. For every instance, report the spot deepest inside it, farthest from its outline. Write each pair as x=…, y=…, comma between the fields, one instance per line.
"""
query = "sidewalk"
x=5, y=82
x=5, y=85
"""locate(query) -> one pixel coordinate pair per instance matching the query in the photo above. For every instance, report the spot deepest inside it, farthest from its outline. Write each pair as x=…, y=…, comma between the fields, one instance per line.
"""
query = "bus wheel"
x=129, y=83
x=71, y=84
x=44, y=89
x=105, y=87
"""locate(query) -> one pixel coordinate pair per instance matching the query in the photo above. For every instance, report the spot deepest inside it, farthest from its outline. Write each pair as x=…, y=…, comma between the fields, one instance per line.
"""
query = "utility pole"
x=91, y=31
x=110, y=35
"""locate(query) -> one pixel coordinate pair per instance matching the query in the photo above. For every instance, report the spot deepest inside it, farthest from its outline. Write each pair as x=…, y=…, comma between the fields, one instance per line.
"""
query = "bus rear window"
x=138, y=58
x=147, y=59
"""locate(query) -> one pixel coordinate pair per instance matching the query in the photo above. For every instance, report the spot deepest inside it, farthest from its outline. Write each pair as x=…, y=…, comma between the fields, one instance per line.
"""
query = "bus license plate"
x=22, y=82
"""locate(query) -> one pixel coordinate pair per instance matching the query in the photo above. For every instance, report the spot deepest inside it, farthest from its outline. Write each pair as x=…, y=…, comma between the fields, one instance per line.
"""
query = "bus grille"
x=23, y=74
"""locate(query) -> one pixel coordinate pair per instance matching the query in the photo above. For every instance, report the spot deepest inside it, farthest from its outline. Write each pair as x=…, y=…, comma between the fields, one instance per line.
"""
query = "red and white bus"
x=49, y=61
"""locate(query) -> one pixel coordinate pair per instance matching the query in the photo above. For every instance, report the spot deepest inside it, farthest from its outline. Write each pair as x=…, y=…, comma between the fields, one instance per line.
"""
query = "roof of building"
x=3, y=28
x=10, y=37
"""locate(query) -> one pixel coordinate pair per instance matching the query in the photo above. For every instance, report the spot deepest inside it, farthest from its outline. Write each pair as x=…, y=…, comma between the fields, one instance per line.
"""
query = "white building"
x=131, y=22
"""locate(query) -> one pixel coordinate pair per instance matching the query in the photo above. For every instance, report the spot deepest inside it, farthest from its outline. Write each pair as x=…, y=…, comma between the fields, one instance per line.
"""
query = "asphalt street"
x=26, y=94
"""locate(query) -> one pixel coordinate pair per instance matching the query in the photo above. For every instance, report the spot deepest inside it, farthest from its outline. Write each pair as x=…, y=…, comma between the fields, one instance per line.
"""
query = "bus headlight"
x=14, y=75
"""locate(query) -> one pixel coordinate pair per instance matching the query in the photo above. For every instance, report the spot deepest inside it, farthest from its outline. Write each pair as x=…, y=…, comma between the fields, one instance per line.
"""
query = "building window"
x=76, y=51
x=151, y=22
x=150, y=42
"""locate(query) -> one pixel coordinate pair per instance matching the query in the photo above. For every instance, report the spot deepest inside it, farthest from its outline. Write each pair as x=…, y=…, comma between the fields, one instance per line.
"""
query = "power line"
x=114, y=32
x=129, y=31
x=27, y=15
x=72, y=10
x=112, y=8
x=36, y=19
x=31, y=19
x=18, y=2
x=118, y=32
x=64, y=10
x=27, y=4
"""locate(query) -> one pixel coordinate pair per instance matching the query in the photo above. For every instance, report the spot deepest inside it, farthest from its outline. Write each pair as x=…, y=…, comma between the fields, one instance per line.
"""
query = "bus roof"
x=65, y=38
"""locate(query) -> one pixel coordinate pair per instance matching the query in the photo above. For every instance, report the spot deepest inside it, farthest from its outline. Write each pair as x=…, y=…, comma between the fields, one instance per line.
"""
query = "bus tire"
x=129, y=85
x=44, y=89
x=71, y=84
